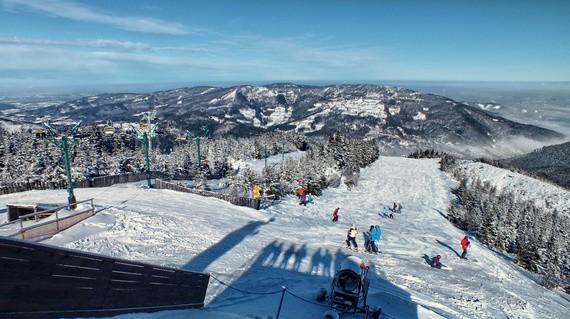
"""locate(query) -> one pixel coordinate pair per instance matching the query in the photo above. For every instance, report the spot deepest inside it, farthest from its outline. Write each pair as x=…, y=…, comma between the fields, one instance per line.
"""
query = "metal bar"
x=281, y=302
x=56, y=221
x=57, y=208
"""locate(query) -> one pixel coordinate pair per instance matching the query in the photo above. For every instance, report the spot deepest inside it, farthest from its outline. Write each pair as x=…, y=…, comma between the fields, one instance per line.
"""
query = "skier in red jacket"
x=335, y=215
x=464, y=244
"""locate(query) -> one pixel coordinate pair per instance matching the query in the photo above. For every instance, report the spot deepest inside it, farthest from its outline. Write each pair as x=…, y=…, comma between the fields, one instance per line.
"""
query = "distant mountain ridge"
x=355, y=110
x=550, y=162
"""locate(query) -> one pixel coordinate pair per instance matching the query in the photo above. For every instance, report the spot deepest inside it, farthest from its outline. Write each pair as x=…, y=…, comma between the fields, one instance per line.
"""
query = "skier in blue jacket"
x=375, y=235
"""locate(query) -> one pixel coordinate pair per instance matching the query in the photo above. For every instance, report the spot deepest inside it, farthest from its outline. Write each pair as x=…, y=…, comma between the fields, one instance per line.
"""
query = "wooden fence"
x=47, y=228
x=236, y=200
x=102, y=181
x=41, y=281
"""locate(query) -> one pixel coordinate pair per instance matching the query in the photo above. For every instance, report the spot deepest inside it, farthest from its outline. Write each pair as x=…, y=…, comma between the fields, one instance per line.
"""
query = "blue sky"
x=71, y=42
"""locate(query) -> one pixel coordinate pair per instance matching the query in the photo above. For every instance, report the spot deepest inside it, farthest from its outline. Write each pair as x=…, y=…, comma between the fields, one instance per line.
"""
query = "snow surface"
x=288, y=244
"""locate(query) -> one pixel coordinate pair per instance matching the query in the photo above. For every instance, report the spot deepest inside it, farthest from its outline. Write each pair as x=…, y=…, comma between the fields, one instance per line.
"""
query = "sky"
x=88, y=43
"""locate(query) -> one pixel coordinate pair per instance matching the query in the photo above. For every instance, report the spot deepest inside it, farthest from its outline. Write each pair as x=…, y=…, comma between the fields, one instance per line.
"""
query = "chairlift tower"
x=146, y=123
x=282, y=150
x=145, y=133
x=62, y=140
x=197, y=143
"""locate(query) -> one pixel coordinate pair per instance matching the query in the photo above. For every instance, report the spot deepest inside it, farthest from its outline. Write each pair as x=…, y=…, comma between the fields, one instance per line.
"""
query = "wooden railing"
x=236, y=200
x=48, y=228
x=41, y=281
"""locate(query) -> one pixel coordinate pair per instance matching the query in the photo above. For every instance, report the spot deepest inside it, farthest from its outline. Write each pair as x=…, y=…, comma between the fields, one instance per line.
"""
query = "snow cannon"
x=349, y=290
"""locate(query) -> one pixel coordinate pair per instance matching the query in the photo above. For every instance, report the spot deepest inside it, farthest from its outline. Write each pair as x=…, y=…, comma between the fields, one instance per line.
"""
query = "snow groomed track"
x=300, y=248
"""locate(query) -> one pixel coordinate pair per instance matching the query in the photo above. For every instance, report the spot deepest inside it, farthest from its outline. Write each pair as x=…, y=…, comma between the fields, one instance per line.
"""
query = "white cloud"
x=29, y=58
x=79, y=12
x=97, y=43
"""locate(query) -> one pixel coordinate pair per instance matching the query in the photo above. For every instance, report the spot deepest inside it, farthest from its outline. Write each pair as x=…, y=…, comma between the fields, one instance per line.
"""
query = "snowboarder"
x=387, y=213
x=335, y=215
x=399, y=209
x=436, y=262
x=351, y=237
x=395, y=207
x=375, y=235
x=464, y=245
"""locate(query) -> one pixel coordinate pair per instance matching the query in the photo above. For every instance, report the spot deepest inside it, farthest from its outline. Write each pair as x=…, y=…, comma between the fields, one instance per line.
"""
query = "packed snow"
x=298, y=247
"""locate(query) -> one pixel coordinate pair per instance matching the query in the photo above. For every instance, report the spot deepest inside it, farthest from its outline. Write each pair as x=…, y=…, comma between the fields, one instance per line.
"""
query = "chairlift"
x=109, y=129
x=144, y=126
x=40, y=132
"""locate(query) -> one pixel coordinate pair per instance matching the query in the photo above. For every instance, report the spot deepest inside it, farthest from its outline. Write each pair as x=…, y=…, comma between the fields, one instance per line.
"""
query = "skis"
x=363, y=251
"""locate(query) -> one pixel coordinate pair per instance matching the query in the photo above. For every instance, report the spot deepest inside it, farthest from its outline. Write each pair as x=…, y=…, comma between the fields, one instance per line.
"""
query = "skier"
x=368, y=239
x=301, y=196
x=435, y=262
x=395, y=207
x=464, y=245
x=310, y=200
x=335, y=215
x=300, y=192
x=375, y=235
x=351, y=237
x=399, y=209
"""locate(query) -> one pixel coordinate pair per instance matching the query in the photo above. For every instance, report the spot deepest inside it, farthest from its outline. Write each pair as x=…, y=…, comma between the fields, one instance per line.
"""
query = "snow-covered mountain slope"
x=544, y=194
x=358, y=110
x=551, y=162
x=299, y=247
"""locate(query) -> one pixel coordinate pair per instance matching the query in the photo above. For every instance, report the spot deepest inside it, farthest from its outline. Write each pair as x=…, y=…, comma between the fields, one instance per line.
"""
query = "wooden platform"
x=41, y=281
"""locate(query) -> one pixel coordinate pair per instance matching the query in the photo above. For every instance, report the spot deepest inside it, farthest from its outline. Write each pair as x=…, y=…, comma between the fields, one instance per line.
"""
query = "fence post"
x=56, y=220
x=281, y=301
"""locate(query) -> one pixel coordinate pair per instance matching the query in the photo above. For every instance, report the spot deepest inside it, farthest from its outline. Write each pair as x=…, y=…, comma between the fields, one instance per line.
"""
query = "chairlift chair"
x=109, y=129
x=40, y=132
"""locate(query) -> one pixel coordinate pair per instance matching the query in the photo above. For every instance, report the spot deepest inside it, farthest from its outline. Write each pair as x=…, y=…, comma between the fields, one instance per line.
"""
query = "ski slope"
x=298, y=247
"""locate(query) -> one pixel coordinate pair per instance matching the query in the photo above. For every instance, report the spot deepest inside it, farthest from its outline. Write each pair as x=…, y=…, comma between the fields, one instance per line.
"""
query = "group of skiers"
x=436, y=260
x=371, y=238
x=303, y=197
x=374, y=234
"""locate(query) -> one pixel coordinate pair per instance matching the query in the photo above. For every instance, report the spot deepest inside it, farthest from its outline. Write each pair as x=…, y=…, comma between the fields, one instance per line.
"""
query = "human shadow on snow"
x=303, y=271
x=448, y=247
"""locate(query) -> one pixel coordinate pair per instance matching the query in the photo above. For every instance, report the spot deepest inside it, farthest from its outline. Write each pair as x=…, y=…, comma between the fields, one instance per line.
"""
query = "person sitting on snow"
x=436, y=261
x=351, y=237
x=387, y=213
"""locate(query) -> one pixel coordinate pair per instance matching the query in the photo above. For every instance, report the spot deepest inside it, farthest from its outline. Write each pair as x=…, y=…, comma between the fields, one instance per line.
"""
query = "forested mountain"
x=353, y=110
x=550, y=162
